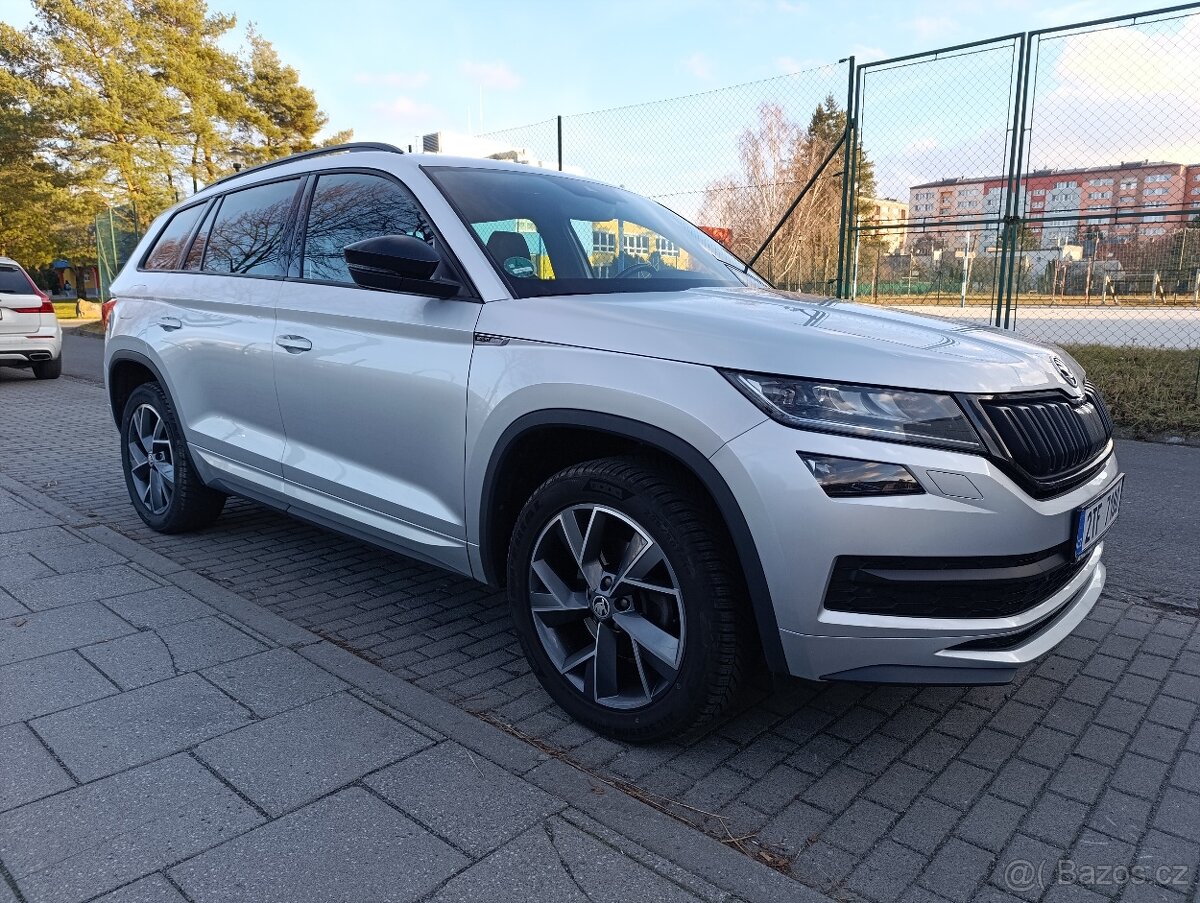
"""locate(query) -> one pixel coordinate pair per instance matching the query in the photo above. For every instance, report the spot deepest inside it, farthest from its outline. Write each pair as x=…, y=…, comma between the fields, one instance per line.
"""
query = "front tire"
x=626, y=600
x=163, y=484
x=51, y=369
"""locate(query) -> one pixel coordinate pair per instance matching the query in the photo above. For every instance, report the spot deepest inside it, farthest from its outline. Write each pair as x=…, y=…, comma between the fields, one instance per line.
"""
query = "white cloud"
x=790, y=64
x=698, y=66
x=491, y=74
x=405, y=80
x=405, y=109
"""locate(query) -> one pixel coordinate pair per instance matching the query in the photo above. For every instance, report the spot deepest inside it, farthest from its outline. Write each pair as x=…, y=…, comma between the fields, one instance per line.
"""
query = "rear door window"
x=247, y=236
x=165, y=253
x=195, y=253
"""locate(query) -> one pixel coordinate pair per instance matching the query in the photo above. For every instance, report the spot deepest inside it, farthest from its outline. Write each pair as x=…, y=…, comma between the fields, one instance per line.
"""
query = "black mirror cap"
x=397, y=263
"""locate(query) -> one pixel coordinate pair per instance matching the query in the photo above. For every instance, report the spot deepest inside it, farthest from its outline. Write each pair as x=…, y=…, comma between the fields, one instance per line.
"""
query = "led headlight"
x=889, y=415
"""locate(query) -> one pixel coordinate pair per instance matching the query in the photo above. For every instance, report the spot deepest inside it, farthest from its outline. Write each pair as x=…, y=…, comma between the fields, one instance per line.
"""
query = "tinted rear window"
x=13, y=282
x=247, y=236
x=165, y=253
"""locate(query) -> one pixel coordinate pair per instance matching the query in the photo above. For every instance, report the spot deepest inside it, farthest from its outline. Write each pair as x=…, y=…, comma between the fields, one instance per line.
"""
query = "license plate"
x=1093, y=519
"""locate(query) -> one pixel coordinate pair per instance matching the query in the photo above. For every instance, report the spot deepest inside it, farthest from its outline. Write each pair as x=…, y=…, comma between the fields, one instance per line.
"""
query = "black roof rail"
x=315, y=152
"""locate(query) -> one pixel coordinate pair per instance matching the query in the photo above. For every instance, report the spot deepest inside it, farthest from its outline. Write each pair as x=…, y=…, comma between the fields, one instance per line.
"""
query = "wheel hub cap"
x=601, y=608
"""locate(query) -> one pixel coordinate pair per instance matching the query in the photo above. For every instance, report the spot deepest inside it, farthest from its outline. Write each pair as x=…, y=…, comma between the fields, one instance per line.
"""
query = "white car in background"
x=29, y=332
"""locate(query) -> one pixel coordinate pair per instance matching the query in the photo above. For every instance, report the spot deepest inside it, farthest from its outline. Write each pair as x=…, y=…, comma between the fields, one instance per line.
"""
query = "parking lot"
x=1090, y=758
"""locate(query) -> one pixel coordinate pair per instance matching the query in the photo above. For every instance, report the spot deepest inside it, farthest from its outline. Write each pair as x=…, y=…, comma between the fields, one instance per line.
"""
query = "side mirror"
x=397, y=263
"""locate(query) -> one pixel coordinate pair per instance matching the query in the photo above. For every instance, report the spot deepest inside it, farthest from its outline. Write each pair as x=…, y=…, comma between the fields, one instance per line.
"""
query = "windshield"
x=548, y=234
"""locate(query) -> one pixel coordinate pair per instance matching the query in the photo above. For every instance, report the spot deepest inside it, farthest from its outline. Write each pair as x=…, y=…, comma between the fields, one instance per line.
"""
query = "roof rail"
x=315, y=152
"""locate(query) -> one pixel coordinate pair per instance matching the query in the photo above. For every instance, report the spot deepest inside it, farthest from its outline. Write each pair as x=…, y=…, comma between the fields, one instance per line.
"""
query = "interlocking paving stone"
x=274, y=681
x=94, y=838
x=463, y=797
x=69, y=559
x=158, y=607
x=152, y=889
x=42, y=685
x=43, y=632
x=20, y=566
x=147, y=657
x=27, y=771
x=90, y=586
x=295, y=757
x=133, y=661
x=349, y=846
x=111, y=734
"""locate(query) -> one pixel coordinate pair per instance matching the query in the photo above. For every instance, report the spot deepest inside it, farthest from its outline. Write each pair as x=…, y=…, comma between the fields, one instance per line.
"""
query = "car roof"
x=9, y=262
x=370, y=156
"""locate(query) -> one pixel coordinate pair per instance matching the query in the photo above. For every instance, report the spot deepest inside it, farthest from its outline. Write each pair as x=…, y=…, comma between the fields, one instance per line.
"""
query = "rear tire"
x=626, y=599
x=164, y=487
x=51, y=369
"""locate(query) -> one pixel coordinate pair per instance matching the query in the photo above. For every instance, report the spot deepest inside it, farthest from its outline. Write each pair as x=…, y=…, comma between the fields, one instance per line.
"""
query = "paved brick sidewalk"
x=1091, y=757
x=162, y=739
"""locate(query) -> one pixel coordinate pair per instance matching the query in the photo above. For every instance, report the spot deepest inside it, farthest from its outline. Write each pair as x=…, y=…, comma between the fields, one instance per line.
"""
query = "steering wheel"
x=637, y=271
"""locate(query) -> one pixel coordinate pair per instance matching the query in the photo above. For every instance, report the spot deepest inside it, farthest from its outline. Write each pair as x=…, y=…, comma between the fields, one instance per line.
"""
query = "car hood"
x=795, y=335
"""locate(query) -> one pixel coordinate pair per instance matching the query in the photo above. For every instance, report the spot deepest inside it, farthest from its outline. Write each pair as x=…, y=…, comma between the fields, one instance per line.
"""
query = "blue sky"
x=392, y=70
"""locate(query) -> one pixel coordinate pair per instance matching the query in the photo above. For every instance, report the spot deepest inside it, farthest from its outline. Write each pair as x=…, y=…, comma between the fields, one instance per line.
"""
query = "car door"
x=372, y=384
x=218, y=329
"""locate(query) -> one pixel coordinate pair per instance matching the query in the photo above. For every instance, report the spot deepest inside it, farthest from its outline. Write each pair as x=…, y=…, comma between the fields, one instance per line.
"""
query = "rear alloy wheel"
x=163, y=485
x=624, y=599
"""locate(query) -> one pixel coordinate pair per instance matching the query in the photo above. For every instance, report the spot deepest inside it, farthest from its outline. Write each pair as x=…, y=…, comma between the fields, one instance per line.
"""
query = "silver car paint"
x=648, y=358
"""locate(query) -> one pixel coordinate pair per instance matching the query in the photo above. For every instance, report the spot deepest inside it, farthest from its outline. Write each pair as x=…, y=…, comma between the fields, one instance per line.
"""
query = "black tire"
x=51, y=369
x=191, y=505
x=711, y=596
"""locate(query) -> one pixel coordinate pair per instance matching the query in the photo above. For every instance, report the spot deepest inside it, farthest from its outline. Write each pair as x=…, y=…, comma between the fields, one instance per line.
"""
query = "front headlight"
x=890, y=415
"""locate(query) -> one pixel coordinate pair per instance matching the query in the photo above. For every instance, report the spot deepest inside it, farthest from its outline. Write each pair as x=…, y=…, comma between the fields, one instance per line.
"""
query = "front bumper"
x=970, y=508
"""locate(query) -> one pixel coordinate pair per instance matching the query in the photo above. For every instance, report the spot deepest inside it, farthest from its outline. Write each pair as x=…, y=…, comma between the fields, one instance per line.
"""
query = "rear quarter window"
x=165, y=253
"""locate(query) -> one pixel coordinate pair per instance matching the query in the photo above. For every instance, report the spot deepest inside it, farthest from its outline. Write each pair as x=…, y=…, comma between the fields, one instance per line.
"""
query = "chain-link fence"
x=117, y=234
x=1046, y=181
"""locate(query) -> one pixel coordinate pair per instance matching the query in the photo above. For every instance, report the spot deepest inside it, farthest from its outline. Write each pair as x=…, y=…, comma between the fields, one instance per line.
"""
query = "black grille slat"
x=1050, y=437
x=949, y=587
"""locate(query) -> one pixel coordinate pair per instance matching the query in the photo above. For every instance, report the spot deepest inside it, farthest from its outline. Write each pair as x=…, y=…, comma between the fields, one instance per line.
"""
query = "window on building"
x=604, y=242
x=638, y=243
x=1156, y=218
x=1038, y=192
x=1159, y=177
x=666, y=248
x=247, y=235
x=1152, y=191
x=1128, y=199
x=1129, y=183
x=1099, y=195
x=349, y=207
x=1064, y=184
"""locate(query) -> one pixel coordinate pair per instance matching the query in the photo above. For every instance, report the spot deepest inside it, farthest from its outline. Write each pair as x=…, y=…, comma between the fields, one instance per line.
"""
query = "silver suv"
x=554, y=385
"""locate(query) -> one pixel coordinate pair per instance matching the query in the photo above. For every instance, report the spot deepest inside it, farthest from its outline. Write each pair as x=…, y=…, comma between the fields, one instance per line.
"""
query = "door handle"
x=293, y=344
x=170, y=324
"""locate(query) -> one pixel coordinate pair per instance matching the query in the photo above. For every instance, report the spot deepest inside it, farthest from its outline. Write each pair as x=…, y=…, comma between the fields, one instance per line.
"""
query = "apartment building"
x=1062, y=205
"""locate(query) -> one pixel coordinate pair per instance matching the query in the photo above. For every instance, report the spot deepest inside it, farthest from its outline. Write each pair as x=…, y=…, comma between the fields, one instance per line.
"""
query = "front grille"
x=982, y=587
x=1049, y=436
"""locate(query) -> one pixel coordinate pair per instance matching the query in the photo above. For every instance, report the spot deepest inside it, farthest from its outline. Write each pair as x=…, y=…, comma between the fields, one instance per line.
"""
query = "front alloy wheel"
x=607, y=606
x=626, y=599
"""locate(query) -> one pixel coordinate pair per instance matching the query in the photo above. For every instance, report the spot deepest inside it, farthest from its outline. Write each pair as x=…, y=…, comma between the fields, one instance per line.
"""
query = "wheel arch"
x=126, y=370
x=606, y=434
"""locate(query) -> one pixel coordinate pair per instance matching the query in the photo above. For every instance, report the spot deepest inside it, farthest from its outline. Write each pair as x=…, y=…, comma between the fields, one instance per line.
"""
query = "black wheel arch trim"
x=700, y=466
x=135, y=358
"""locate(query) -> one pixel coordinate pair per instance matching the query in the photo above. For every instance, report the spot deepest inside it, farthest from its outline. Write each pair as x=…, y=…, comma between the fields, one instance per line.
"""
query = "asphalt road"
x=83, y=355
